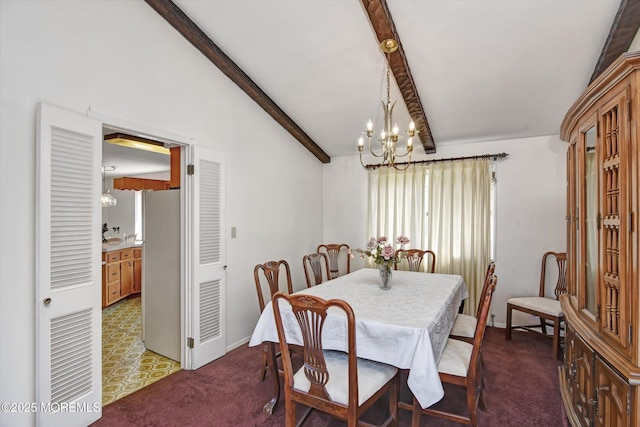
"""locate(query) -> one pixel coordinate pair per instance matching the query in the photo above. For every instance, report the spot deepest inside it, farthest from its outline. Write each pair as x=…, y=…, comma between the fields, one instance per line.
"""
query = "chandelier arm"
x=373, y=153
x=403, y=155
x=407, y=164
x=361, y=162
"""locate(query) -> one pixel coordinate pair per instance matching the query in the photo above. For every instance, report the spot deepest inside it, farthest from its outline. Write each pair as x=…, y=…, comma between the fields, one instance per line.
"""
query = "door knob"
x=46, y=301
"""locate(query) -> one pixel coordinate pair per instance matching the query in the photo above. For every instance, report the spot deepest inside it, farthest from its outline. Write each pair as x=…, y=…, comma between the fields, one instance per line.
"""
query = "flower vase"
x=385, y=276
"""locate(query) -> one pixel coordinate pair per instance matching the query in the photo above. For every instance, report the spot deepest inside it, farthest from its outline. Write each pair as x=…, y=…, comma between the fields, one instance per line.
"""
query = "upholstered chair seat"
x=464, y=326
x=456, y=358
x=540, y=304
x=372, y=376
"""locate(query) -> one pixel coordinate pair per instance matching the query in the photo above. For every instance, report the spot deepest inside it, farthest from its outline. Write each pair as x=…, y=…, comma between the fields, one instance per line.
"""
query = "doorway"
x=130, y=359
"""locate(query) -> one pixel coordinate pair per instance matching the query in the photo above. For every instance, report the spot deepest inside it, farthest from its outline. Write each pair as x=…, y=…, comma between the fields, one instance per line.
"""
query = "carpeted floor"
x=521, y=391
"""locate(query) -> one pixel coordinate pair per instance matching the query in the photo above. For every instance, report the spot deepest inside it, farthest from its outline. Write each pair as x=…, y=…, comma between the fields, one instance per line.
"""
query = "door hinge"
x=598, y=221
x=630, y=222
x=191, y=169
x=190, y=342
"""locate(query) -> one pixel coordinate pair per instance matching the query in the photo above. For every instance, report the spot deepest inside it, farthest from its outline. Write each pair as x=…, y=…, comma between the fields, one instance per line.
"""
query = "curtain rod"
x=450, y=159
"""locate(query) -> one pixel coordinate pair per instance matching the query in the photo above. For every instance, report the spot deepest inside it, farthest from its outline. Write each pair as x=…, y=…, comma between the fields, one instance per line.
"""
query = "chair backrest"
x=316, y=268
x=487, y=281
x=481, y=327
x=334, y=251
x=561, y=281
x=414, y=258
x=271, y=270
x=310, y=313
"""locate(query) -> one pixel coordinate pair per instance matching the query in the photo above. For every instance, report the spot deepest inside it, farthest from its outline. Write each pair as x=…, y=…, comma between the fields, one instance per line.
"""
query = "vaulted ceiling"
x=466, y=71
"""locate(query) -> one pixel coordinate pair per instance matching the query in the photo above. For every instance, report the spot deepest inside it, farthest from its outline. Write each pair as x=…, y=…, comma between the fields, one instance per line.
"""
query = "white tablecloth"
x=406, y=326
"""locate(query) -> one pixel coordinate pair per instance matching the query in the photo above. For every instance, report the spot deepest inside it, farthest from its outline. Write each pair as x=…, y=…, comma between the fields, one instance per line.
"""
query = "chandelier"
x=107, y=200
x=389, y=135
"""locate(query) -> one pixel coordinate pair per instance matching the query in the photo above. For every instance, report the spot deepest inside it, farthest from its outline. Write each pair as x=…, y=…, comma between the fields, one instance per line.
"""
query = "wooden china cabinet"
x=600, y=378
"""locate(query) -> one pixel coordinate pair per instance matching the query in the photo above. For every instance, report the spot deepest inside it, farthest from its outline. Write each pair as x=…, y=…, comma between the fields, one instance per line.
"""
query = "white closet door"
x=68, y=280
x=208, y=292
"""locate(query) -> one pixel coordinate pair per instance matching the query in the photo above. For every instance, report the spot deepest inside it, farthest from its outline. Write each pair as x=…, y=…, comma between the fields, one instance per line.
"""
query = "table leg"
x=270, y=351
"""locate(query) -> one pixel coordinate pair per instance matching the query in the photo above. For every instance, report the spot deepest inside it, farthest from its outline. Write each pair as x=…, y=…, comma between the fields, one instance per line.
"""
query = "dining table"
x=406, y=326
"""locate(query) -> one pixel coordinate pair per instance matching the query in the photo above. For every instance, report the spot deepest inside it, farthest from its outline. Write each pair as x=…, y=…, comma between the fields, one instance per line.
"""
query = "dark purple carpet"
x=521, y=389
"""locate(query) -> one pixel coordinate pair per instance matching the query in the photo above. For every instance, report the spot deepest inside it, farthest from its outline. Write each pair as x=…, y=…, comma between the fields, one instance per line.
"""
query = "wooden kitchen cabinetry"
x=139, y=184
x=600, y=378
x=121, y=274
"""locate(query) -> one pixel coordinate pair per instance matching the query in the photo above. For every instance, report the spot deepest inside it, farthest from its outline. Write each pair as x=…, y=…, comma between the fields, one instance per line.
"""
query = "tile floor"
x=126, y=365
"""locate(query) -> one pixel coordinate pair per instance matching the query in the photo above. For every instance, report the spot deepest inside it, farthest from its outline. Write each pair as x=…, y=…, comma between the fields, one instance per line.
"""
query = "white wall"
x=531, y=200
x=121, y=59
x=121, y=215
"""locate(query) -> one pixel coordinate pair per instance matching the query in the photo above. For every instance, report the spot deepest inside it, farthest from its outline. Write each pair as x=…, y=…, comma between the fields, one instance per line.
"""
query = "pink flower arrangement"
x=381, y=250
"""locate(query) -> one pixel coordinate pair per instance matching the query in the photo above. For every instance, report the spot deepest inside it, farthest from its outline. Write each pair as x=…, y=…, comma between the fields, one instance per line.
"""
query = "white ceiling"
x=484, y=69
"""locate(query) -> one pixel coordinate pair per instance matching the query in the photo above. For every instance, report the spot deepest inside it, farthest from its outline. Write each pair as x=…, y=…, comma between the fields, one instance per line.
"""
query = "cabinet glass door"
x=590, y=220
x=572, y=218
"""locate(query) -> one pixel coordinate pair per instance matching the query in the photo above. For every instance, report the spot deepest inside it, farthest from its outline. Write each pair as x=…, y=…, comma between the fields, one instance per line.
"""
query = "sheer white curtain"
x=453, y=218
x=397, y=204
x=459, y=221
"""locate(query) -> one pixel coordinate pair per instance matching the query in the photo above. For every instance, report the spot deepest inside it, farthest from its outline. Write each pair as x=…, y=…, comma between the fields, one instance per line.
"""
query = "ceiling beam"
x=624, y=28
x=384, y=28
x=185, y=26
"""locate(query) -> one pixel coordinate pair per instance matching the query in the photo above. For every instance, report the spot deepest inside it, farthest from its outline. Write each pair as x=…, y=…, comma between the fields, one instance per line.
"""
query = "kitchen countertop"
x=110, y=248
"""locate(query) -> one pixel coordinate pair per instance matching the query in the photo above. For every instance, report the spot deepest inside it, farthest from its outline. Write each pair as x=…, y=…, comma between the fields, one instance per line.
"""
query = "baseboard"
x=237, y=344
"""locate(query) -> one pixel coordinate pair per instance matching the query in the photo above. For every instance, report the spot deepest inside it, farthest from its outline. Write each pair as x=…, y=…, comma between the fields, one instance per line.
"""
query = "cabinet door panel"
x=613, y=394
x=126, y=277
x=615, y=306
x=137, y=275
x=583, y=385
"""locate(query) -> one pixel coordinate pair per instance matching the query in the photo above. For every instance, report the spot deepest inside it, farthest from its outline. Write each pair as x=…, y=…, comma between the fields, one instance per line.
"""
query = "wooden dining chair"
x=333, y=382
x=336, y=252
x=460, y=366
x=316, y=268
x=464, y=326
x=414, y=259
x=546, y=308
x=267, y=284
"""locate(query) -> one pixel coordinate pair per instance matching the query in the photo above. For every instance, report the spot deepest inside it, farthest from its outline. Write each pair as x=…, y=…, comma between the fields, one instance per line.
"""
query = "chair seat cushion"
x=372, y=376
x=464, y=326
x=548, y=306
x=455, y=358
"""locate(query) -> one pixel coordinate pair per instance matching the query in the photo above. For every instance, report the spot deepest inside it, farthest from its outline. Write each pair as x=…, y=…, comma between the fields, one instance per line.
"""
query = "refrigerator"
x=161, y=326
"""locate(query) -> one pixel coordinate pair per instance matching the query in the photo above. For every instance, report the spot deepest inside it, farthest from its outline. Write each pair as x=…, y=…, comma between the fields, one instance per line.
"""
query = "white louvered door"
x=68, y=280
x=208, y=293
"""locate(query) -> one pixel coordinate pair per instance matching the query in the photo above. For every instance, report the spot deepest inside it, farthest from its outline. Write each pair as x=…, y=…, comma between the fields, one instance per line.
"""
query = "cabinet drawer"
x=126, y=254
x=113, y=292
x=112, y=256
x=137, y=253
x=113, y=273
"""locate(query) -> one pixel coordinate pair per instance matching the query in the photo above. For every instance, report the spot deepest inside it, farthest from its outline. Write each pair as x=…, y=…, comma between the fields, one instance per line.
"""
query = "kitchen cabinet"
x=600, y=378
x=137, y=270
x=130, y=183
x=121, y=274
